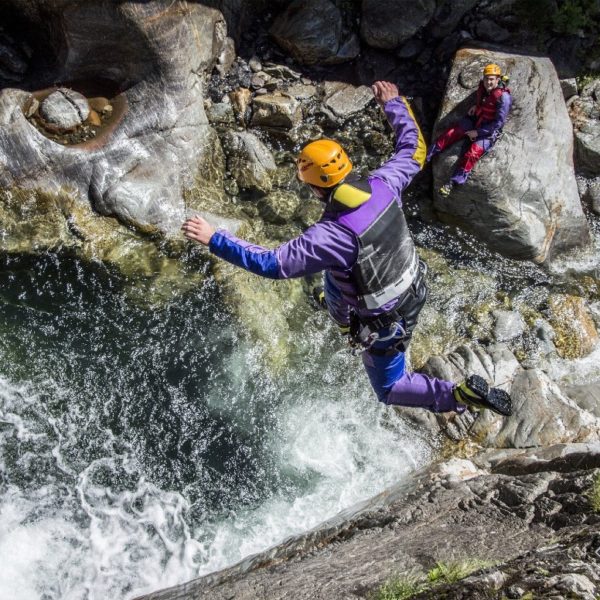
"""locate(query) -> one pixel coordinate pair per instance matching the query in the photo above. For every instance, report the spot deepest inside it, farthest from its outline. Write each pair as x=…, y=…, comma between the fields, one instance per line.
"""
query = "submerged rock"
x=34, y=222
x=576, y=334
x=522, y=197
x=249, y=161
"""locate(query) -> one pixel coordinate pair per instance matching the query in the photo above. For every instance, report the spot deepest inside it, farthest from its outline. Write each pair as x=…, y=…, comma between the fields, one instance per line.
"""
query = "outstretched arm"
x=410, y=149
x=322, y=246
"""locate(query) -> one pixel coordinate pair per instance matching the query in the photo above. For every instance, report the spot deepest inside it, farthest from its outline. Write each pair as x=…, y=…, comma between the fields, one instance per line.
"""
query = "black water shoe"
x=475, y=393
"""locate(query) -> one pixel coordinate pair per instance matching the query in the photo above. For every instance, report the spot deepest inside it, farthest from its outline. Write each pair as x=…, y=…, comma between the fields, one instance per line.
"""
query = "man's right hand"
x=384, y=91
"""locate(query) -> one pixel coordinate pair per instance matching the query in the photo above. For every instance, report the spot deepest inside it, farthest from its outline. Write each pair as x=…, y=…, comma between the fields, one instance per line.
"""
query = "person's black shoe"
x=475, y=393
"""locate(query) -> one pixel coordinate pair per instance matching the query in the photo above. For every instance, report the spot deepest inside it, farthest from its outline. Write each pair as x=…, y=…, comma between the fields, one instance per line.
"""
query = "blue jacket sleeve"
x=255, y=259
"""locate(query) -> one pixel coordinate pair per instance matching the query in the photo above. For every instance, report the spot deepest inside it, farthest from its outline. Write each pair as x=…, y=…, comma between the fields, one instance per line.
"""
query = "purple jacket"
x=328, y=245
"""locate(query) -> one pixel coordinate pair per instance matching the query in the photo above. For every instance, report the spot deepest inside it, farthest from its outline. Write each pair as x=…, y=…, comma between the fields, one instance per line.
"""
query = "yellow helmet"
x=492, y=69
x=323, y=163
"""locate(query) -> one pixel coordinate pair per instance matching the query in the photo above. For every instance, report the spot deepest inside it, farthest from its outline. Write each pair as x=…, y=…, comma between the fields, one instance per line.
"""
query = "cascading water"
x=143, y=447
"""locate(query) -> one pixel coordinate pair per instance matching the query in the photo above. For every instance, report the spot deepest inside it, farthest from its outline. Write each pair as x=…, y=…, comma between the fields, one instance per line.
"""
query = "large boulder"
x=388, y=23
x=542, y=413
x=148, y=59
x=522, y=197
x=311, y=31
x=585, y=113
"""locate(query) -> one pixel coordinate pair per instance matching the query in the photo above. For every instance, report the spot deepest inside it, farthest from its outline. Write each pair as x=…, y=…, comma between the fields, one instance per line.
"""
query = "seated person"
x=482, y=126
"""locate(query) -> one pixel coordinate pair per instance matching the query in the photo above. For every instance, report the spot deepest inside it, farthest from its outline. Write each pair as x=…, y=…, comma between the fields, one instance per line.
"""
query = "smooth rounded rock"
x=65, y=108
x=310, y=30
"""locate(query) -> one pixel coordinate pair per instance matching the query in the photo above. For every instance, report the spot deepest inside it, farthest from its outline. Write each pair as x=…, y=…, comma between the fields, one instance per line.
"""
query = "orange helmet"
x=323, y=163
x=492, y=69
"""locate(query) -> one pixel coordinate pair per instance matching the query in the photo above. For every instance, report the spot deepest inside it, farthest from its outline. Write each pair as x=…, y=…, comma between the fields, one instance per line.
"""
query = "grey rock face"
x=249, y=161
x=587, y=396
x=388, y=23
x=13, y=62
x=522, y=201
x=448, y=15
x=569, y=87
x=542, y=413
x=152, y=149
x=276, y=111
x=585, y=113
x=488, y=30
x=443, y=513
x=310, y=30
x=592, y=195
x=344, y=99
x=65, y=108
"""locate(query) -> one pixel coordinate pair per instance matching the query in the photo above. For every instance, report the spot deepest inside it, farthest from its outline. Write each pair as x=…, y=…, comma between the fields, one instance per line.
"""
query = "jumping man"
x=374, y=283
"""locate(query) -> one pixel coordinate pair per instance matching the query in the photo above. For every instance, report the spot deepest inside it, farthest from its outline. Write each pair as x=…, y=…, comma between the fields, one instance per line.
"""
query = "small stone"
x=254, y=64
x=65, y=109
x=31, y=107
x=281, y=72
x=258, y=80
x=94, y=119
x=569, y=87
x=240, y=100
x=99, y=104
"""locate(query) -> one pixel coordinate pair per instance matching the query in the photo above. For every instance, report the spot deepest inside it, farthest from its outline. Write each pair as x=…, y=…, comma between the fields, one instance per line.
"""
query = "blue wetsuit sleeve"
x=253, y=258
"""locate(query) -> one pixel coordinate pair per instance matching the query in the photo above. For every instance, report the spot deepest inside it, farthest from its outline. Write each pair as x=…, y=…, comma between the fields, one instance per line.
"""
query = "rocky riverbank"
x=520, y=511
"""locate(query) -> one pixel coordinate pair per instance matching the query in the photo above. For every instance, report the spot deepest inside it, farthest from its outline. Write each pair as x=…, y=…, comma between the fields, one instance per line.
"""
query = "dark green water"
x=140, y=447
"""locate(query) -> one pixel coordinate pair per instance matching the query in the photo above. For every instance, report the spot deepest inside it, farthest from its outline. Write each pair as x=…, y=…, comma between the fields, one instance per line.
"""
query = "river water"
x=142, y=447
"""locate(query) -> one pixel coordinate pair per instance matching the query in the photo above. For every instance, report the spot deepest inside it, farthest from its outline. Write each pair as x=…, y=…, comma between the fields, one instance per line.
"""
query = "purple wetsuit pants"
x=387, y=372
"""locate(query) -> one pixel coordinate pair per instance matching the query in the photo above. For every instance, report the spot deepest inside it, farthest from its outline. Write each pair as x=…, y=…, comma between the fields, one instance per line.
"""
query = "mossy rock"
x=35, y=222
x=576, y=333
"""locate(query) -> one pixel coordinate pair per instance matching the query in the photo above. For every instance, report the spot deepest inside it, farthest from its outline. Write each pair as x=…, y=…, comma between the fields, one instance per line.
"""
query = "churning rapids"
x=142, y=447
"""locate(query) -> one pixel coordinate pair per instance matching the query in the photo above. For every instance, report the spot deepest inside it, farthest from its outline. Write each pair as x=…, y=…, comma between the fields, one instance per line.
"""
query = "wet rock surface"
x=137, y=170
x=538, y=513
x=543, y=414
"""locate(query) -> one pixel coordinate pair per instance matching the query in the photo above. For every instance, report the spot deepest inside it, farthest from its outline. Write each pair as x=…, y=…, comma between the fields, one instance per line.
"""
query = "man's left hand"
x=472, y=133
x=198, y=229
